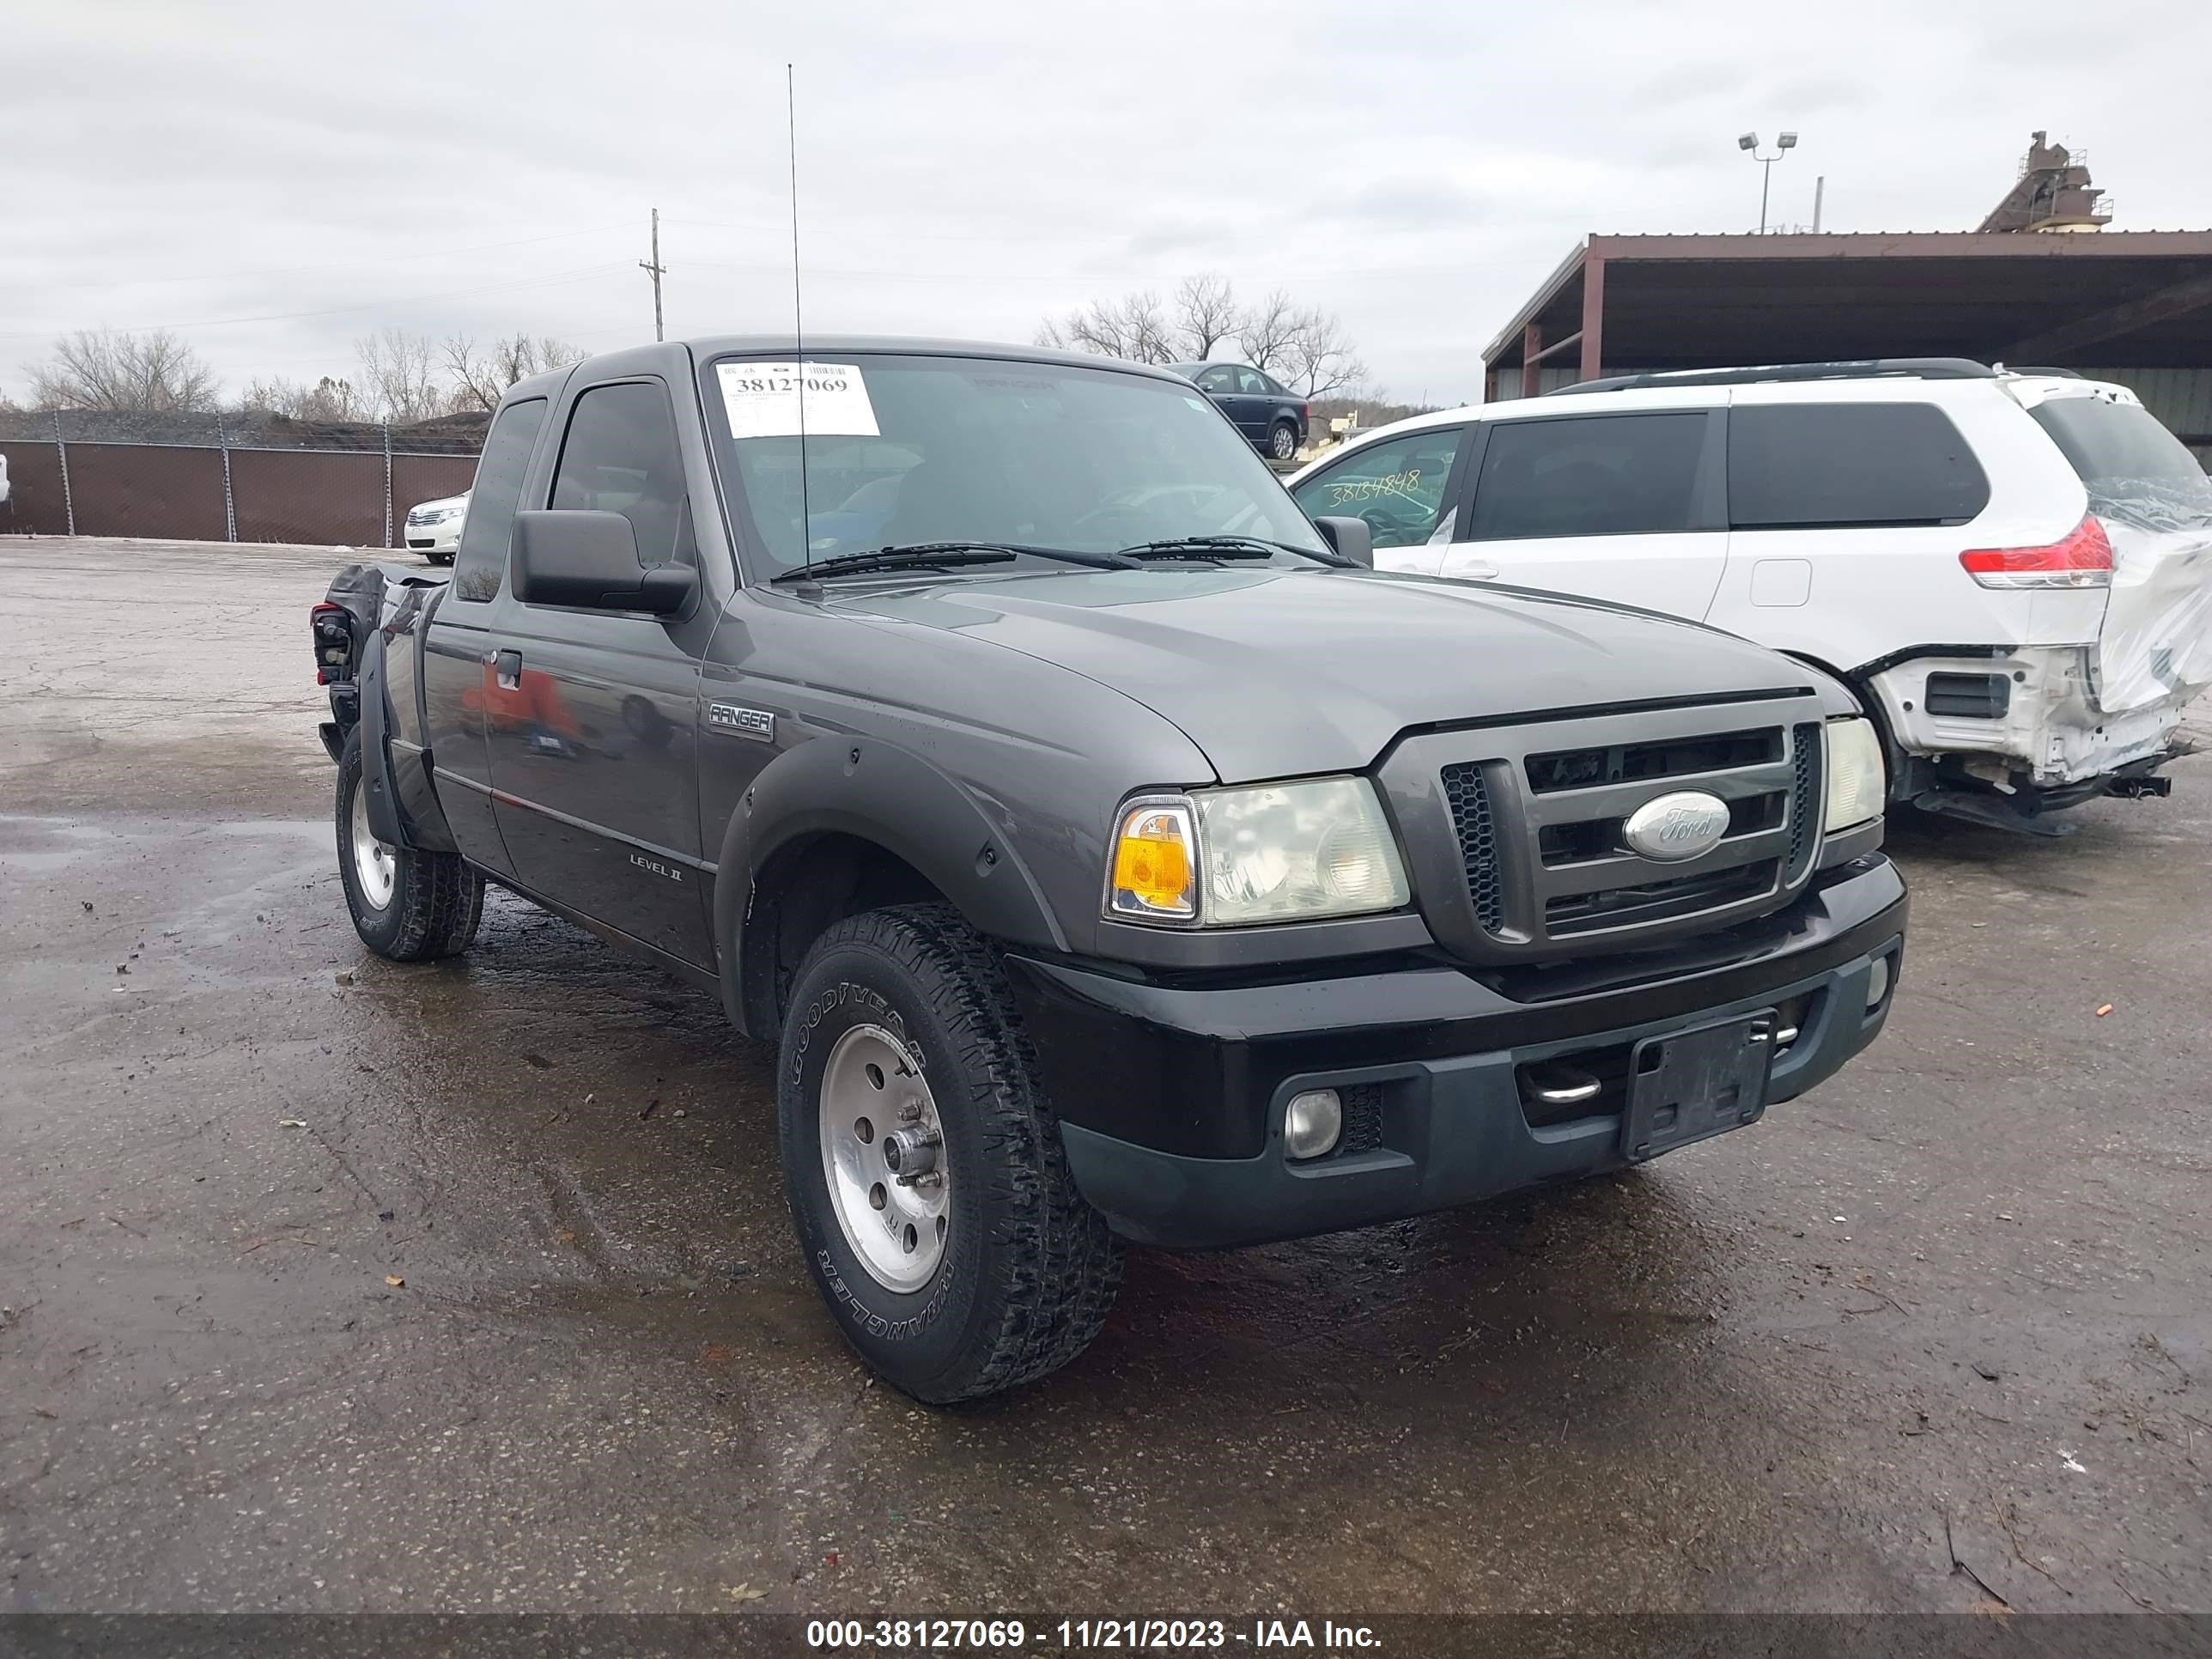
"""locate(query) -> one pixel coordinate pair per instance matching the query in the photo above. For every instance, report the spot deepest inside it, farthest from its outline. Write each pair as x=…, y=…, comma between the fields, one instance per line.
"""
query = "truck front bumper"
x=1171, y=1097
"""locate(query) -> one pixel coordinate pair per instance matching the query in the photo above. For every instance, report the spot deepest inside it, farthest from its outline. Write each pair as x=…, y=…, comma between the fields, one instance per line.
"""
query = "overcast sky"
x=273, y=181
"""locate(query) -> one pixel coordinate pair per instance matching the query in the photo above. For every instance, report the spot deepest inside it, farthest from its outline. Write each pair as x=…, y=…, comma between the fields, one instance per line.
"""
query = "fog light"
x=1312, y=1123
x=1877, y=983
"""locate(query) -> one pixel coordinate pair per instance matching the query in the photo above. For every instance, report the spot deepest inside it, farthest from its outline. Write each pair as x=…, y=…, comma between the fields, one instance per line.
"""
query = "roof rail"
x=1866, y=369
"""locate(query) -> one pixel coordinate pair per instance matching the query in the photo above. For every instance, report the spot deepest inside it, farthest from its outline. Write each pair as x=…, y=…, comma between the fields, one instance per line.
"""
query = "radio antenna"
x=798, y=322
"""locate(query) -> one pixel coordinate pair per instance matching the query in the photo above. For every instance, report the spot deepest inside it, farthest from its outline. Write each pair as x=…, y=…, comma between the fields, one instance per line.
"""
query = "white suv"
x=434, y=528
x=2013, y=571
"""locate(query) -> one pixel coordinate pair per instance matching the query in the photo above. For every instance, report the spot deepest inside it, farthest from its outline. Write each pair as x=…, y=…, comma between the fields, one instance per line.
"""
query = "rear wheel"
x=927, y=1184
x=407, y=903
x=1283, y=442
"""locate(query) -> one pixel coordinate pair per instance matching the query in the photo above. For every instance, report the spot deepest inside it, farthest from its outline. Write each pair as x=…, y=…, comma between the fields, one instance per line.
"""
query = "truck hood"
x=1275, y=674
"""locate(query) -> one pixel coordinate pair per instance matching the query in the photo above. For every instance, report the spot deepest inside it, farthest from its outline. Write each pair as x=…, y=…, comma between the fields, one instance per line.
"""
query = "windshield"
x=2135, y=469
x=904, y=450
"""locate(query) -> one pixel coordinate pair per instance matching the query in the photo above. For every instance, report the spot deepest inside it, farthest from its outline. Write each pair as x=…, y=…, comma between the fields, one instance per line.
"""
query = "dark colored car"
x=1265, y=411
x=1110, y=851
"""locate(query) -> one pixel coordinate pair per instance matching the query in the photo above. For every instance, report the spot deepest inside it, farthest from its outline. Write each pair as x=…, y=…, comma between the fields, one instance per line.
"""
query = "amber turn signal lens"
x=1152, y=864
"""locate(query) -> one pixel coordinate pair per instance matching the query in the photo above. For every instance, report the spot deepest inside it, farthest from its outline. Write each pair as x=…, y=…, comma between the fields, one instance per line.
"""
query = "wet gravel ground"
x=333, y=1284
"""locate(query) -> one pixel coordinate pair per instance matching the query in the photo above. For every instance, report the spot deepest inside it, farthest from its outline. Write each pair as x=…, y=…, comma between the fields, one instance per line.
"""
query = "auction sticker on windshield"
x=782, y=400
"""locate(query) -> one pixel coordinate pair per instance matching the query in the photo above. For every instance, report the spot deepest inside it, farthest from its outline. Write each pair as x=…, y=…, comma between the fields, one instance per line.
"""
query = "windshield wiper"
x=1232, y=547
x=926, y=556
x=940, y=556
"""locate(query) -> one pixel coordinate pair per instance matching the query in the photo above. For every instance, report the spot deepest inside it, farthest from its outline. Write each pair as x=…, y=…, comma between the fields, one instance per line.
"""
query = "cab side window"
x=1397, y=486
x=621, y=456
x=1222, y=378
x=1254, y=384
x=480, y=561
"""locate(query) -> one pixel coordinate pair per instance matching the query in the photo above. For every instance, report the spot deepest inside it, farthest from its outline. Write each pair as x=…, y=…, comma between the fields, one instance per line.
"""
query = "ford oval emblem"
x=1681, y=825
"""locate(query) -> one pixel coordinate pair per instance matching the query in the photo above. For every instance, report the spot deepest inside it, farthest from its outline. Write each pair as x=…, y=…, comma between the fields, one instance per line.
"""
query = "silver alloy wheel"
x=1286, y=443
x=374, y=866
x=882, y=1157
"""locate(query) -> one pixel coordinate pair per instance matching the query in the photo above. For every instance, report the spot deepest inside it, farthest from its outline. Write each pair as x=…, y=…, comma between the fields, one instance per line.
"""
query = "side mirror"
x=589, y=559
x=1352, y=538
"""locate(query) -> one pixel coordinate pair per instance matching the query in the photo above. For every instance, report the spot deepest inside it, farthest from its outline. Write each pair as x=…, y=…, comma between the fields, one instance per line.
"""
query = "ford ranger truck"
x=1109, y=852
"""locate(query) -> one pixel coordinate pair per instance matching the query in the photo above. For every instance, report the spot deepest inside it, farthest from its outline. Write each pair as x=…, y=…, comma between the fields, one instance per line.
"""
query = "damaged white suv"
x=2012, y=570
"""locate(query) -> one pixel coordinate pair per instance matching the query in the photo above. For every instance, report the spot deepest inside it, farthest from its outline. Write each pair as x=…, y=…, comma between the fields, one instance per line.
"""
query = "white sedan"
x=433, y=529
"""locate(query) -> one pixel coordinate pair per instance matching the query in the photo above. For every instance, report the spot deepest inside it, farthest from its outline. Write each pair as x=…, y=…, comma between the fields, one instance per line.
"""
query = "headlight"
x=1856, y=786
x=1285, y=852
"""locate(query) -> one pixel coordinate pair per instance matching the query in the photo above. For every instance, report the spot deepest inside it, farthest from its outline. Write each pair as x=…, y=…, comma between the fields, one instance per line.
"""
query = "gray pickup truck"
x=1110, y=851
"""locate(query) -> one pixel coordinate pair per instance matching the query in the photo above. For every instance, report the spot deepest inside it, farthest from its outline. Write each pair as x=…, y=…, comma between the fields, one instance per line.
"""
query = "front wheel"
x=1283, y=443
x=408, y=904
x=927, y=1183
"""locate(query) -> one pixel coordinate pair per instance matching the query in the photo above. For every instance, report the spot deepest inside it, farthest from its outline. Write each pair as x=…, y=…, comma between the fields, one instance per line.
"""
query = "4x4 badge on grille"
x=1680, y=825
x=755, y=723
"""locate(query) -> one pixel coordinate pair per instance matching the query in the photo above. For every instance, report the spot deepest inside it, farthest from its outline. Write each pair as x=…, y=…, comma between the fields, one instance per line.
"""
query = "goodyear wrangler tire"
x=927, y=1184
x=408, y=904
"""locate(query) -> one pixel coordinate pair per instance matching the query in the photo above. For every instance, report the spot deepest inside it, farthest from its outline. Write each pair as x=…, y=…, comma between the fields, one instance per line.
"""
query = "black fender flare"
x=887, y=796
x=384, y=819
x=402, y=803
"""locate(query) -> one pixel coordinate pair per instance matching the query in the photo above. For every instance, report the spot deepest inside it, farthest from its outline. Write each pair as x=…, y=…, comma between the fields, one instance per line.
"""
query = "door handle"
x=508, y=666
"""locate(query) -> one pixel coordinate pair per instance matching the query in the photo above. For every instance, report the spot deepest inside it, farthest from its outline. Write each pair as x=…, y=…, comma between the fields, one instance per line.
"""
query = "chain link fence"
x=237, y=477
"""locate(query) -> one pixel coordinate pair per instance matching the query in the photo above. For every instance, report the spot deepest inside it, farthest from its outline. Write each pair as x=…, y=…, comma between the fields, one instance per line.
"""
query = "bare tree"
x=481, y=379
x=1302, y=346
x=1266, y=329
x=326, y=400
x=97, y=369
x=1206, y=314
x=398, y=372
x=1133, y=327
x=1317, y=359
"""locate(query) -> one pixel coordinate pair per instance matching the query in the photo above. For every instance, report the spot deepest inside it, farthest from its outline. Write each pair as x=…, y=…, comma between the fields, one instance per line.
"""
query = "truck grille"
x=1477, y=843
x=1806, y=753
x=1537, y=819
x=1641, y=762
x=1655, y=900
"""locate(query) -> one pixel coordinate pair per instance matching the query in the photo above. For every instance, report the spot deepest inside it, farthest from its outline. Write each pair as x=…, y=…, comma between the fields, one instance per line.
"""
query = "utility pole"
x=657, y=270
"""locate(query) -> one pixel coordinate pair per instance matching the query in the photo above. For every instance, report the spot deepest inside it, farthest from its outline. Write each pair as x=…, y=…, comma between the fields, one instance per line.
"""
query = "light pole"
x=1749, y=144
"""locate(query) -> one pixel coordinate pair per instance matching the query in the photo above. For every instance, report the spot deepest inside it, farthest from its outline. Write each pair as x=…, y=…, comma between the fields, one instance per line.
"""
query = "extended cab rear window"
x=480, y=559
x=2134, y=468
x=1813, y=466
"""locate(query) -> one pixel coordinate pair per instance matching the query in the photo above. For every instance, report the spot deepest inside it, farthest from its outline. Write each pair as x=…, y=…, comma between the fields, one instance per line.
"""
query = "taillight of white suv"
x=2081, y=558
